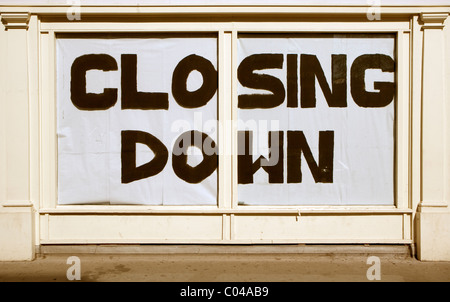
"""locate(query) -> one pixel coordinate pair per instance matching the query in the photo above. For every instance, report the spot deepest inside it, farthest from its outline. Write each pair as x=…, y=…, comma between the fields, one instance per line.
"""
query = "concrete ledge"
x=403, y=250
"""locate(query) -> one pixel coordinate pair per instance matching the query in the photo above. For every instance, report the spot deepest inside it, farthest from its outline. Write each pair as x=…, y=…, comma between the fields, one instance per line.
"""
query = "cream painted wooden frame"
x=226, y=223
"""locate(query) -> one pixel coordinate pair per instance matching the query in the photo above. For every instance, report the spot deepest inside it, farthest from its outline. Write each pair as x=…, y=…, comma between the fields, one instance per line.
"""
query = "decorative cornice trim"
x=433, y=20
x=15, y=20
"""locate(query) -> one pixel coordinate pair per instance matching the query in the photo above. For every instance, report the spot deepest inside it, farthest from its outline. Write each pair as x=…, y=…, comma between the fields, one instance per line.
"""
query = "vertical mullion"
x=221, y=189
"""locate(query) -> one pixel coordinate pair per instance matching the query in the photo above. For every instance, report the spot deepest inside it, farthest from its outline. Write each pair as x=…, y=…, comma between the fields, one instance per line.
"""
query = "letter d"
x=130, y=172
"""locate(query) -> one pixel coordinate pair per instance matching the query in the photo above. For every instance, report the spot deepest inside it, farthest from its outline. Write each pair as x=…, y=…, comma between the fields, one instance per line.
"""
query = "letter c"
x=78, y=95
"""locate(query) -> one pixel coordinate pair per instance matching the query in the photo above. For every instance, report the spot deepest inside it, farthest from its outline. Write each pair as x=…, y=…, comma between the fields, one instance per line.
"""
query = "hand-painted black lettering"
x=322, y=172
x=386, y=92
x=292, y=80
x=179, y=159
x=132, y=173
x=248, y=78
x=78, y=95
x=201, y=96
x=133, y=99
x=311, y=69
x=273, y=166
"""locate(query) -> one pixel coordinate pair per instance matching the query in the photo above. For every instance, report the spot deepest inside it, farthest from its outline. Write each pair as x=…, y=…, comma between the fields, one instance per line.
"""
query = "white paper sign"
x=330, y=100
x=122, y=104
